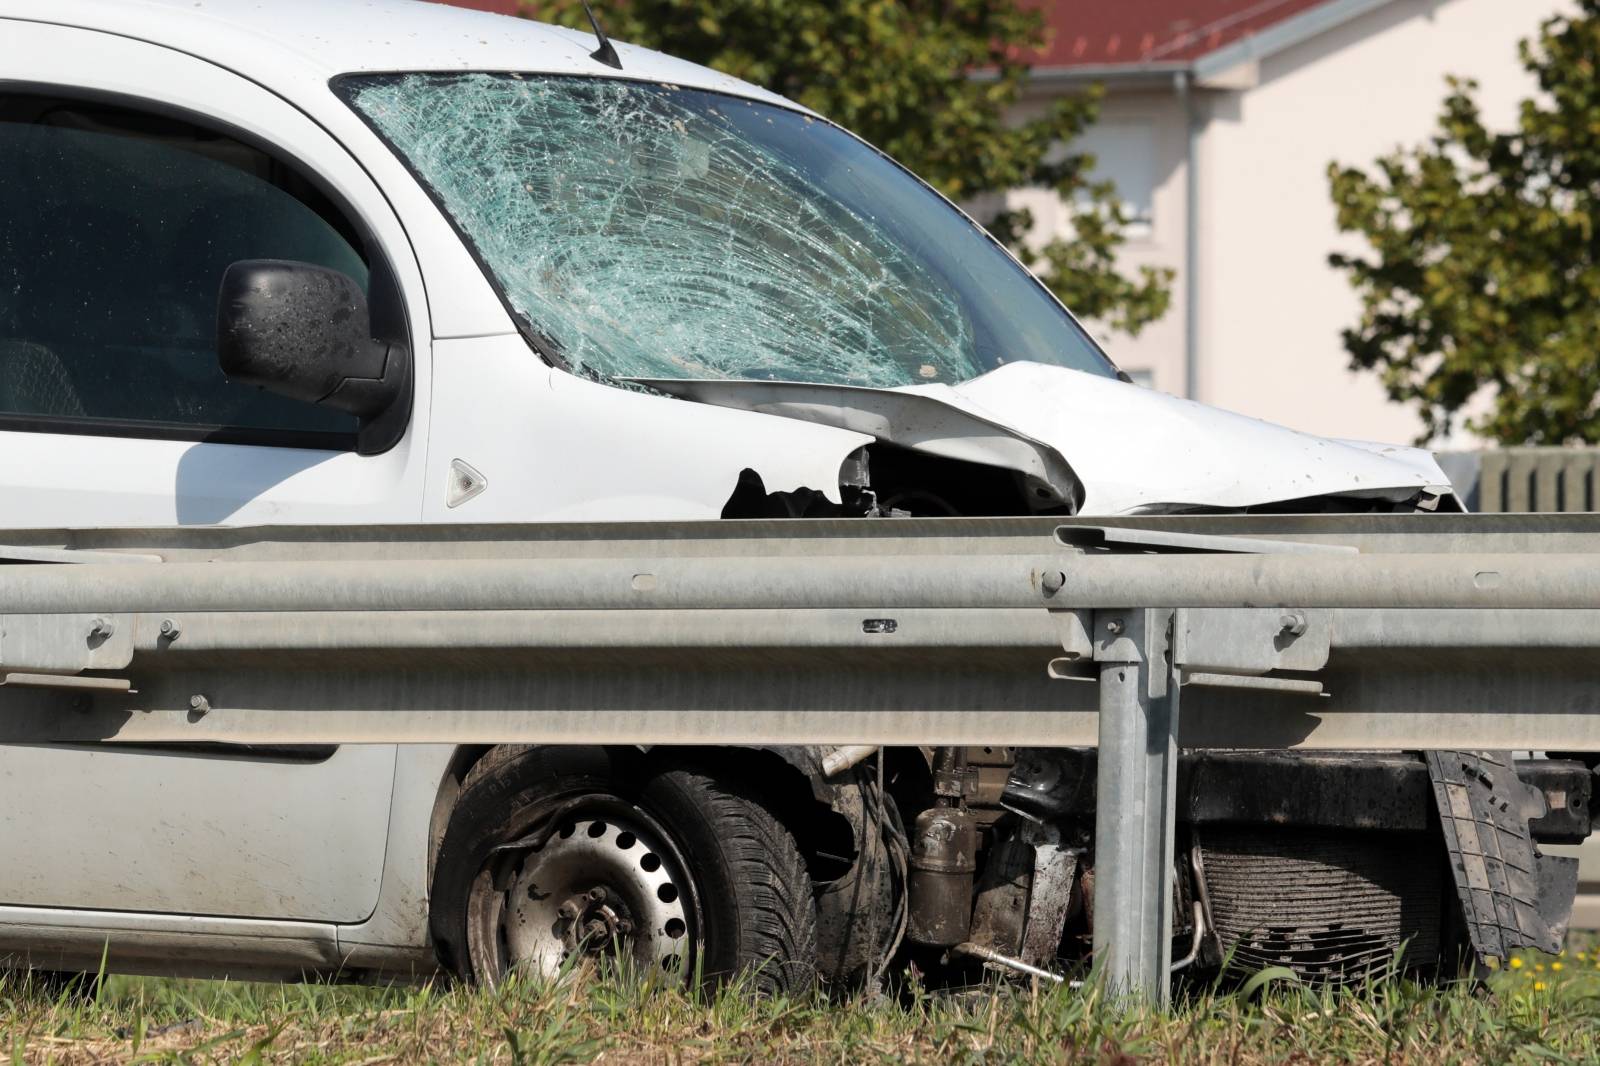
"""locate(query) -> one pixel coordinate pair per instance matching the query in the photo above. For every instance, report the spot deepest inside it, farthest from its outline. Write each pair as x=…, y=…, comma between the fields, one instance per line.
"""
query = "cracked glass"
x=640, y=230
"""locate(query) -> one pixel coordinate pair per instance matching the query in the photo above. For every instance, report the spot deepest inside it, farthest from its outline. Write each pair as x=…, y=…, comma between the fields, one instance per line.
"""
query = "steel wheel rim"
x=608, y=884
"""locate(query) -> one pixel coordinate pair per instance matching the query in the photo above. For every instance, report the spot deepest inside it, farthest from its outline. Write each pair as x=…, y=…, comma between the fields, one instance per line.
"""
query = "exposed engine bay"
x=887, y=481
x=1339, y=866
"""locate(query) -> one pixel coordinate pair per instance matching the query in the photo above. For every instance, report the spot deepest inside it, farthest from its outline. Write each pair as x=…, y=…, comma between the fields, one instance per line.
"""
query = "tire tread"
x=762, y=854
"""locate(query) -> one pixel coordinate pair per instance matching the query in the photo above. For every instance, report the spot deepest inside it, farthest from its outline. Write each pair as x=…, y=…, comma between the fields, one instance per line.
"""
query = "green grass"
x=1533, y=1015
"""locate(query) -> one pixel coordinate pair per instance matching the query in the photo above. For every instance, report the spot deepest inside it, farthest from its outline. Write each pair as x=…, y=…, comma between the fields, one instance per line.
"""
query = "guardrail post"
x=1134, y=807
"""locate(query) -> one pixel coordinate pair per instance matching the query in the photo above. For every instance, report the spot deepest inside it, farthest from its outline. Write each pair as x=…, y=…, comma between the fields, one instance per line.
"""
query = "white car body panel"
x=76, y=480
x=1132, y=448
x=1135, y=448
x=394, y=939
x=261, y=867
x=216, y=833
x=182, y=945
x=656, y=457
x=1420, y=460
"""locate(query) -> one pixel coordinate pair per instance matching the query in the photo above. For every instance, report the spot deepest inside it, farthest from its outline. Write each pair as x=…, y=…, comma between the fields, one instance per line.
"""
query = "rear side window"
x=115, y=229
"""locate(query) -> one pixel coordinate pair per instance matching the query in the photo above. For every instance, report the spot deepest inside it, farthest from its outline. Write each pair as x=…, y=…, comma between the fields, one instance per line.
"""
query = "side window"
x=115, y=229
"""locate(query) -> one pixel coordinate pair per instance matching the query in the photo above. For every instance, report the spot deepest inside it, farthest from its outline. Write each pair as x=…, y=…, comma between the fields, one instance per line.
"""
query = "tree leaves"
x=901, y=73
x=1484, y=270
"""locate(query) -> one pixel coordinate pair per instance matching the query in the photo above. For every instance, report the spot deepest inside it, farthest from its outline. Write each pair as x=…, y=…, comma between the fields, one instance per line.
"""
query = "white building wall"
x=1139, y=143
x=1271, y=308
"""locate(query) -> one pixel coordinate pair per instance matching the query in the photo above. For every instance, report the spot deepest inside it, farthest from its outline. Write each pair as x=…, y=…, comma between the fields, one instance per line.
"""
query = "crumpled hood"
x=1093, y=443
x=1136, y=448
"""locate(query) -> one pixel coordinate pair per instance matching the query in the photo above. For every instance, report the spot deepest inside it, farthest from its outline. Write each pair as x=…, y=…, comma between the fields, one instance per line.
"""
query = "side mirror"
x=305, y=332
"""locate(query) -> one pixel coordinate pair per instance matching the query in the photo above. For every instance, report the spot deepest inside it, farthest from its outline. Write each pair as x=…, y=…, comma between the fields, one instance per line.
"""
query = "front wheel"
x=558, y=853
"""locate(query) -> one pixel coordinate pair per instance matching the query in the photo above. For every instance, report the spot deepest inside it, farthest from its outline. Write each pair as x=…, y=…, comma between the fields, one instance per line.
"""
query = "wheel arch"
x=828, y=819
x=788, y=777
x=448, y=791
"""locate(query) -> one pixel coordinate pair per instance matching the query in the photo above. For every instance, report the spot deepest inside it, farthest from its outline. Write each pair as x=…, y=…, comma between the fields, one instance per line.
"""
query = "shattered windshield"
x=648, y=231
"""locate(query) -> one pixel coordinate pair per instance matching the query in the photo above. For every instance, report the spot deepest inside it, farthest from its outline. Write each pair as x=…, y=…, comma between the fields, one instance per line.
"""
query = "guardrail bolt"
x=170, y=629
x=199, y=705
x=1052, y=582
x=1115, y=627
x=102, y=628
x=1294, y=624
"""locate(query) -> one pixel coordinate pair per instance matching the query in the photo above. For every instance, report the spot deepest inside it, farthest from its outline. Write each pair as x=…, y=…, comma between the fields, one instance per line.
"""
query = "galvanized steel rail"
x=1355, y=631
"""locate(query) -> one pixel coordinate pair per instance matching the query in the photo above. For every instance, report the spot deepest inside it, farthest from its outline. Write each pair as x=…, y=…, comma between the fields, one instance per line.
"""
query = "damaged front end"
x=1337, y=866
x=928, y=458
x=1029, y=439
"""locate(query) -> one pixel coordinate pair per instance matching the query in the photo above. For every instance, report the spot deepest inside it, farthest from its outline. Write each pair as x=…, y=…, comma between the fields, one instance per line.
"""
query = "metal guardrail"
x=1469, y=632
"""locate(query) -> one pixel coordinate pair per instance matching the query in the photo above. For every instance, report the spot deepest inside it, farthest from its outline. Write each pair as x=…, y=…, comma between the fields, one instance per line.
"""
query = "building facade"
x=1219, y=122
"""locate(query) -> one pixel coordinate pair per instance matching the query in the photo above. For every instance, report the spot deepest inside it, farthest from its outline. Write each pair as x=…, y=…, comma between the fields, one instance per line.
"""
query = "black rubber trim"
x=123, y=428
x=298, y=754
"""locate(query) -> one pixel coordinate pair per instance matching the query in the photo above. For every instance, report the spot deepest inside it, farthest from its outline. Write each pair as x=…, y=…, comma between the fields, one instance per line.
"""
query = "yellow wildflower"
x=1556, y=965
x=1538, y=986
x=1516, y=963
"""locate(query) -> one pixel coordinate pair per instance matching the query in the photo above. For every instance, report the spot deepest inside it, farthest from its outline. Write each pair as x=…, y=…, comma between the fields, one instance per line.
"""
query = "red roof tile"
x=1094, y=32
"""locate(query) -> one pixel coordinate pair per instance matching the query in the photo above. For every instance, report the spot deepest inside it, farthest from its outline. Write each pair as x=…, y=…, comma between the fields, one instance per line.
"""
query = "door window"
x=115, y=229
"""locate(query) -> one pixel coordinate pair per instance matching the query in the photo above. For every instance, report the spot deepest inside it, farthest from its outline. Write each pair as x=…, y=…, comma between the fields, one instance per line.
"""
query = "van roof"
x=276, y=41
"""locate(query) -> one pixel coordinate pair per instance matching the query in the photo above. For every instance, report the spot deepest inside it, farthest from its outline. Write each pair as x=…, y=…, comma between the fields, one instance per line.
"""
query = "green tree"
x=895, y=72
x=1484, y=269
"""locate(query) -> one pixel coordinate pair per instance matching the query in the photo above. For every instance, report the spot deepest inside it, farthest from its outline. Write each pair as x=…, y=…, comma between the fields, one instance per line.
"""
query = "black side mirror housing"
x=305, y=332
